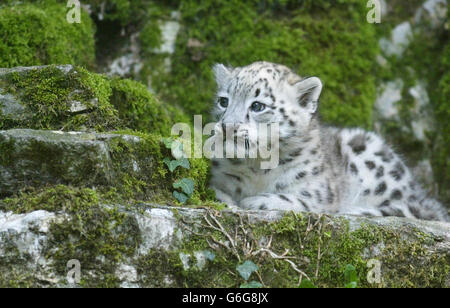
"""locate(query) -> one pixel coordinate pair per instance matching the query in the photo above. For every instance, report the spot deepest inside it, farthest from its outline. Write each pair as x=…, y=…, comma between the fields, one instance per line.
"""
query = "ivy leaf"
x=182, y=198
x=252, y=284
x=186, y=185
x=307, y=284
x=246, y=269
x=177, y=150
x=173, y=164
x=167, y=142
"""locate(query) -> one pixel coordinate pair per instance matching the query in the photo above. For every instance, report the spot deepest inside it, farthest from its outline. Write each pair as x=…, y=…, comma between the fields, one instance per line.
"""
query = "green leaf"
x=177, y=150
x=251, y=284
x=167, y=142
x=182, y=198
x=186, y=185
x=307, y=284
x=173, y=164
x=351, y=285
x=350, y=275
x=246, y=269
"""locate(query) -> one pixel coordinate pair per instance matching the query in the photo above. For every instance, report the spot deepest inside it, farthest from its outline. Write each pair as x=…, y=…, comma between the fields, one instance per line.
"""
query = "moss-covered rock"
x=162, y=247
x=38, y=33
x=122, y=166
x=71, y=98
x=56, y=97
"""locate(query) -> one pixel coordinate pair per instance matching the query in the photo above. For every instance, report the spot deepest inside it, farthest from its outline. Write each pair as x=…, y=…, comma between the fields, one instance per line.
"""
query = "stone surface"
x=36, y=158
x=26, y=243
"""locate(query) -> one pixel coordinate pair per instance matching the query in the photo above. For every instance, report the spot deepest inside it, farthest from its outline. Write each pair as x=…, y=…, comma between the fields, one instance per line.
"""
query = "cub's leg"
x=225, y=198
x=271, y=202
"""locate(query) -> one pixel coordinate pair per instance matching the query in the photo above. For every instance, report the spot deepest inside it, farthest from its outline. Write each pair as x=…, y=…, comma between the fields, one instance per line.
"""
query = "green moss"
x=52, y=40
x=97, y=236
x=140, y=110
x=301, y=36
x=320, y=247
x=154, y=181
x=48, y=93
x=442, y=155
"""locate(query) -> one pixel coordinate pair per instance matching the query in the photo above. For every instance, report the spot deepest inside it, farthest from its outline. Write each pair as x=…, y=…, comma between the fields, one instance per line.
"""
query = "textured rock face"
x=36, y=158
x=188, y=247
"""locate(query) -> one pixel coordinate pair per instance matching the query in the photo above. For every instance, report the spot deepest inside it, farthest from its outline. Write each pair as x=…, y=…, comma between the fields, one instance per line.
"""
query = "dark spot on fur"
x=306, y=194
x=398, y=171
x=366, y=192
x=291, y=123
x=396, y=195
x=285, y=161
x=358, y=144
x=381, y=188
x=392, y=212
x=412, y=198
x=314, y=152
x=258, y=91
x=296, y=152
x=316, y=170
x=304, y=204
x=385, y=203
x=300, y=175
x=353, y=168
x=306, y=162
x=330, y=194
x=263, y=207
x=238, y=191
x=319, y=196
x=385, y=154
x=237, y=178
x=283, y=197
x=380, y=172
x=370, y=164
x=235, y=161
x=414, y=211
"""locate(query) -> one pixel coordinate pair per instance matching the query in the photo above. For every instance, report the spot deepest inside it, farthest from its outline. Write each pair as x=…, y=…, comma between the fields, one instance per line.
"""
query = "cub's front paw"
x=255, y=203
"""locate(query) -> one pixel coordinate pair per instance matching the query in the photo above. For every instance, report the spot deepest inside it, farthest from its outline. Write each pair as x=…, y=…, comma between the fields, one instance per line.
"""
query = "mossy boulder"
x=122, y=166
x=150, y=246
x=38, y=33
x=64, y=97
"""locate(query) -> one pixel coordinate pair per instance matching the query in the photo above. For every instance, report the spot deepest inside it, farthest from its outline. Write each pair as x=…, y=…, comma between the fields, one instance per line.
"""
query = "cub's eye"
x=223, y=102
x=257, y=107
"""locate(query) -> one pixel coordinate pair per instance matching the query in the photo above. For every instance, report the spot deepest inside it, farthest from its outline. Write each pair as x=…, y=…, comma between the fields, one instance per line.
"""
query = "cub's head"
x=265, y=92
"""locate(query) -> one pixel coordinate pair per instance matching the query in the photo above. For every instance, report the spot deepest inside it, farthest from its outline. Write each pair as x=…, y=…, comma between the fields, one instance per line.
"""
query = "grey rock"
x=164, y=232
x=36, y=158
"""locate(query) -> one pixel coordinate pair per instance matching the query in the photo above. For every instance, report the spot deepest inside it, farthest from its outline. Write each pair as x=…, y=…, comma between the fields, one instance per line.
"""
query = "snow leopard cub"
x=321, y=169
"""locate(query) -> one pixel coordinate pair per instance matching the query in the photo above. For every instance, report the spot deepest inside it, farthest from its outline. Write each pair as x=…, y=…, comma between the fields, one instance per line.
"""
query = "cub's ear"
x=308, y=92
x=222, y=73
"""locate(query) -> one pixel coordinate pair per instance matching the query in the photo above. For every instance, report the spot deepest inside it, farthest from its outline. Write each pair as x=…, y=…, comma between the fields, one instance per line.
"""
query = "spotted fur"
x=322, y=169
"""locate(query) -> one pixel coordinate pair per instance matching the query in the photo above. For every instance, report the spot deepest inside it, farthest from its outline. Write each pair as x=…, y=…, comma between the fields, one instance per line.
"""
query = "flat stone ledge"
x=25, y=239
